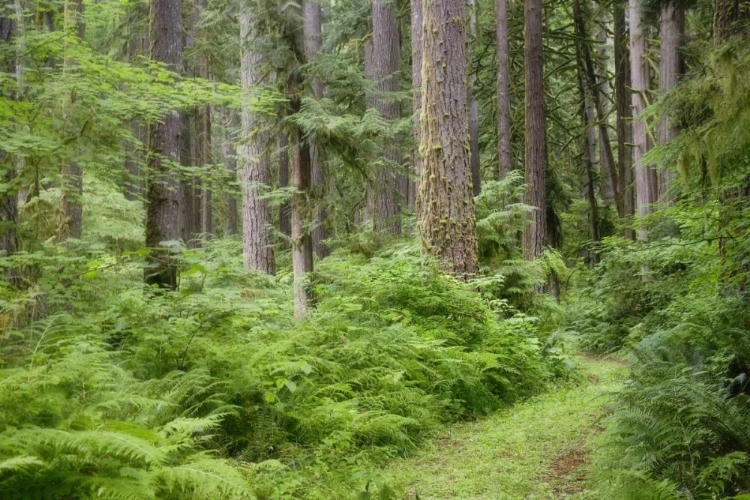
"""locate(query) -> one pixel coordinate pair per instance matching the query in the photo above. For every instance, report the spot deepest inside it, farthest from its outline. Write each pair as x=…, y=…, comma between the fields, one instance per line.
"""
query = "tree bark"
x=386, y=59
x=229, y=152
x=285, y=222
x=416, y=83
x=256, y=169
x=503, y=88
x=445, y=203
x=639, y=69
x=672, y=26
x=313, y=41
x=476, y=174
x=302, y=251
x=607, y=171
x=207, y=226
x=595, y=93
x=9, y=191
x=624, y=112
x=72, y=175
x=536, y=139
x=162, y=194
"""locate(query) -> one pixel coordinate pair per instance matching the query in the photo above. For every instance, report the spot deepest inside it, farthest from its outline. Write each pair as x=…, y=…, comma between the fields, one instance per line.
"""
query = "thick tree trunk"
x=285, y=214
x=256, y=168
x=72, y=175
x=386, y=57
x=644, y=189
x=536, y=138
x=313, y=42
x=162, y=194
x=624, y=112
x=416, y=83
x=445, y=203
x=503, y=88
x=229, y=152
x=595, y=93
x=190, y=224
x=9, y=191
x=476, y=173
x=670, y=35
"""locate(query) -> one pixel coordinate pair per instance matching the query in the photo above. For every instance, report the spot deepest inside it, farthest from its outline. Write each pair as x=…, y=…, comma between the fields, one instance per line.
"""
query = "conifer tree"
x=445, y=203
x=162, y=195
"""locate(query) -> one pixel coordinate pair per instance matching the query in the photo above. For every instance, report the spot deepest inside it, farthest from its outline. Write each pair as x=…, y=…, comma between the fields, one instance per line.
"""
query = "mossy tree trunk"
x=162, y=193
x=256, y=162
x=536, y=138
x=476, y=174
x=416, y=80
x=445, y=203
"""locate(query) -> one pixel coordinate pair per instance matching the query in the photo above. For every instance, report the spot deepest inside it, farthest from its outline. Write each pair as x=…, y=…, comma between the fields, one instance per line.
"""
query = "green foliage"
x=214, y=391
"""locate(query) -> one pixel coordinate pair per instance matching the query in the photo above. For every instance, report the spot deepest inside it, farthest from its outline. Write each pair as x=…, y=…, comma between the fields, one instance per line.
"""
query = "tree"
x=229, y=152
x=445, y=203
x=639, y=70
x=503, y=87
x=256, y=162
x=476, y=174
x=594, y=92
x=285, y=222
x=8, y=192
x=312, y=34
x=389, y=186
x=72, y=176
x=536, y=138
x=416, y=83
x=162, y=196
x=672, y=27
x=623, y=110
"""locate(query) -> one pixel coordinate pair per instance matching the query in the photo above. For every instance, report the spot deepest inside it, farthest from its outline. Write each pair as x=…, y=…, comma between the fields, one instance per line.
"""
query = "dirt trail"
x=539, y=449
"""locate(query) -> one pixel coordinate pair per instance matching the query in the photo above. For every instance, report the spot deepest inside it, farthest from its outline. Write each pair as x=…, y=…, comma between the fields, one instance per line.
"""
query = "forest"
x=374, y=249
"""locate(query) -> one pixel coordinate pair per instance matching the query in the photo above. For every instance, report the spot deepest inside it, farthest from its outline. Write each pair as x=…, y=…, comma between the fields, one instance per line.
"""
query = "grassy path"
x=535, y=450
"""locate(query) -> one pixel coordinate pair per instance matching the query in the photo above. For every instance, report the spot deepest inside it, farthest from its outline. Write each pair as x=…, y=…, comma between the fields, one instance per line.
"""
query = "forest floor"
x=538, y=449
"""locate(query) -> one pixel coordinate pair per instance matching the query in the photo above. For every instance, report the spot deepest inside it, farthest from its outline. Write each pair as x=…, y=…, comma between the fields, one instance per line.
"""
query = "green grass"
x=538, y=449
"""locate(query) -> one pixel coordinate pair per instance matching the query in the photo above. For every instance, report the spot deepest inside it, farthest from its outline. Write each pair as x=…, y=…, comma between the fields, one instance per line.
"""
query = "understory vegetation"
x=215, y=391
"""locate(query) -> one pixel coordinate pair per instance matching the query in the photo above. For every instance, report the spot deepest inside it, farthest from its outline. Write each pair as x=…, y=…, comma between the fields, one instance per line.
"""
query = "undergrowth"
x=214, y=391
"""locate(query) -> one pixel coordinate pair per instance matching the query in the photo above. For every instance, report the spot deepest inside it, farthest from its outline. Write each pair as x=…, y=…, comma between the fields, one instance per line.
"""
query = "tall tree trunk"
x=595, y=93
x=313, y=42
x=476, y=173
x=727, y=13
x=607, y=170
x=416, y=83
x=445, y=203
x=9, y=190
x=134, y=185
x=386, y=58
x=256, y=168
x=285, y=222
x=189, y=193
x=536, y=137
x=207, y=226
x=640, y=84
x=503, y=88
x=229, y=152
x=671, y=33
x=624, y=112
x=302, y=251
x=587, y=167
x=72, y=176
x=162, y=195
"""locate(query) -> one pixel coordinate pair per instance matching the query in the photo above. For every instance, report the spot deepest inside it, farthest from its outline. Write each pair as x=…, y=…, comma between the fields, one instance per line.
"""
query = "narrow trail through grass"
x=538, y=449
